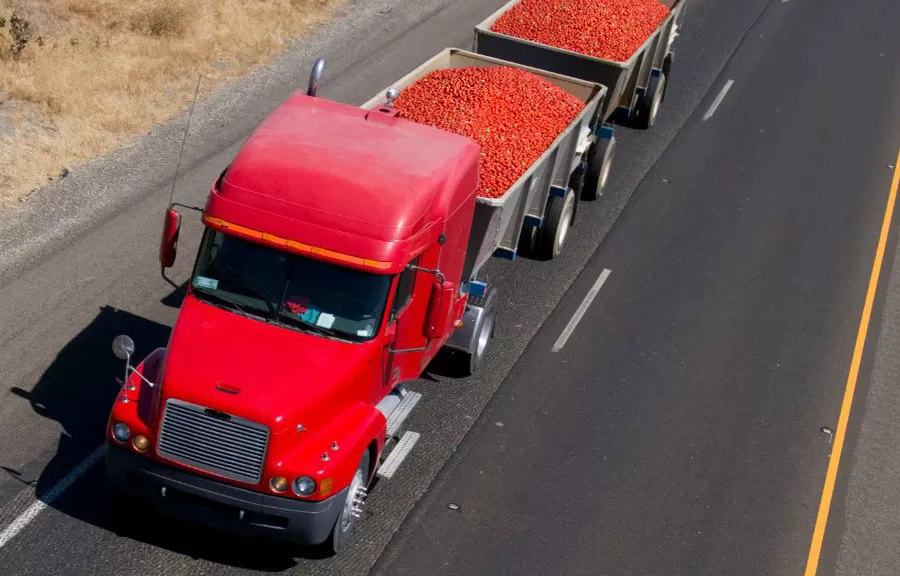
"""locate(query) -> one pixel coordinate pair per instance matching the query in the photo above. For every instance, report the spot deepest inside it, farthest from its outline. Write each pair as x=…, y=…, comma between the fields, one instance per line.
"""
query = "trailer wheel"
x=648, y=107
x=346, y=524
x=471, y=361
x=599, y=165
x=559, y=218
x=667, y=72
x=529, y=240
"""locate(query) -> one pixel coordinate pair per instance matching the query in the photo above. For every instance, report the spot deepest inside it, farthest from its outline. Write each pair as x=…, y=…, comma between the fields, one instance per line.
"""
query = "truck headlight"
x=121, y=432
x=278, y=484
x=304, y=486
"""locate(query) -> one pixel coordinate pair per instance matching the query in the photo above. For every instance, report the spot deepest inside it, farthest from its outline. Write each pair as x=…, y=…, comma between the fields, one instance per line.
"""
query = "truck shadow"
x=77, y=390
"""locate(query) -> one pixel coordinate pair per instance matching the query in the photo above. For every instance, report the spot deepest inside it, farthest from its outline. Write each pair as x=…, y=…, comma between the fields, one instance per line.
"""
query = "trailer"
x=636, y=87
x=534, y=215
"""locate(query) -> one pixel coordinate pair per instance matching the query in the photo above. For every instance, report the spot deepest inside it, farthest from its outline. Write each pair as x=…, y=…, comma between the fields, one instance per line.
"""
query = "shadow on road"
x=79, y=386
x=77, y=390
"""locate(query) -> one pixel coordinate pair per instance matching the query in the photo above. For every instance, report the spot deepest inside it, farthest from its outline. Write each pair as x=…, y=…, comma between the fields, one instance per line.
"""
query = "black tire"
x=528, y=241
x=558, y=219
x=576, y=184
x=470, y=362
x=648, y=106
x=667, y=72
x=599, y=164
x=344, y=528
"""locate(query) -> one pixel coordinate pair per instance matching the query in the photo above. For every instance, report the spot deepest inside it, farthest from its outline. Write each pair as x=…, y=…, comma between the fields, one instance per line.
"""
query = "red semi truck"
x=342, y=250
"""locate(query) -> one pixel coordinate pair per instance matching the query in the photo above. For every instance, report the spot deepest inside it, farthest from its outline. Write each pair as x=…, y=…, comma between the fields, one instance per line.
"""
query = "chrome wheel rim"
x=568, y=208
x=485, y=335
x=607, y=163
x=352, y=505
x=657, y=98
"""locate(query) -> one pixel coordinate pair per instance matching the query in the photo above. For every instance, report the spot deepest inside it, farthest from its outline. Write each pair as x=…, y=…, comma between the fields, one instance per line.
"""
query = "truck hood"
x=262, y=372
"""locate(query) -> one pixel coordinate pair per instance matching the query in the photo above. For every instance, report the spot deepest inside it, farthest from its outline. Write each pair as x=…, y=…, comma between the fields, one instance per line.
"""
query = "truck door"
x=408, y=313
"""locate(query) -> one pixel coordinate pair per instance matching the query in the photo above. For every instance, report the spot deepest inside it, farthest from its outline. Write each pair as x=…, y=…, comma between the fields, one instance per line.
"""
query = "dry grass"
x=79, y=77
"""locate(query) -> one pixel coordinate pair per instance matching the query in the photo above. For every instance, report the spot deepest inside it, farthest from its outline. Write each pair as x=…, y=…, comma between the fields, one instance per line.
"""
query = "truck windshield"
x=288, y=289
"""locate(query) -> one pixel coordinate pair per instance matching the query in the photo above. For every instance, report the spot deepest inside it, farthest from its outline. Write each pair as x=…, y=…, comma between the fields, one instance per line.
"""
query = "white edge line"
x=588, y=299
x=26, y=517
x=718, y=100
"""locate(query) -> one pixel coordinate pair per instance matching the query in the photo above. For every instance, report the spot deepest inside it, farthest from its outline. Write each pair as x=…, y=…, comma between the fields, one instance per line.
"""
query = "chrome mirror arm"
x=141, y=376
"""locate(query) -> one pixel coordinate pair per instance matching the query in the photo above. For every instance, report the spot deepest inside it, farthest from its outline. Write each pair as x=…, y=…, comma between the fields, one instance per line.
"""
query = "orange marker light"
x=140, y=443
x=293, y=245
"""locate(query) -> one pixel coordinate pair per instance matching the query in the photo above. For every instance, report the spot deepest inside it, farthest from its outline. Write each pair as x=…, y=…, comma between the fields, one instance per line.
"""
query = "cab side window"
x=404, y=290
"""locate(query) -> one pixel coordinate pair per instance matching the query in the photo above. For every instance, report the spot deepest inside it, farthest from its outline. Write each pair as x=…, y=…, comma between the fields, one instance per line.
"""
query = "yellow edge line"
x=815, y=548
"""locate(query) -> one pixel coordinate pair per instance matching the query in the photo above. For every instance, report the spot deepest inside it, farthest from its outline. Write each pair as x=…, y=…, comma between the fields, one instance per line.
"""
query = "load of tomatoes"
x=514, y=116
x=606, y=29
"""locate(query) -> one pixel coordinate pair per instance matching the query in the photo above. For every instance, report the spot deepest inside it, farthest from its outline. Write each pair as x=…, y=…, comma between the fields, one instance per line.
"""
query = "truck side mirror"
x=437, y=321
x=168, y=244
x=123, y=347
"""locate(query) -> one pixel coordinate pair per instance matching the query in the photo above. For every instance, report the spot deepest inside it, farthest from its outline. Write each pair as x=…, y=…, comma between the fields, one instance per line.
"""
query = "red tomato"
x=514, y=116
x=607, y=29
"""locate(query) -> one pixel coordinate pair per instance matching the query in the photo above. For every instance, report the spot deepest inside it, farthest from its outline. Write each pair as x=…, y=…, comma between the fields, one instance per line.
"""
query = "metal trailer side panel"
x=498, y=222
x=623, y=79
x=648, y=59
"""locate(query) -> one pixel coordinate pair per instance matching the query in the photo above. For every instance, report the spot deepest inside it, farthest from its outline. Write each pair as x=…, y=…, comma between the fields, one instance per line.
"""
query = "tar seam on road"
x=25, y=518
x=718, y=100
x=815, y=547
x=573, y=323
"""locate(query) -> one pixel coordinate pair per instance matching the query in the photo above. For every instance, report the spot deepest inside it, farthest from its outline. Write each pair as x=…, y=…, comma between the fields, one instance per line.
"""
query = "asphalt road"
x=747, y=253
x=678, y=430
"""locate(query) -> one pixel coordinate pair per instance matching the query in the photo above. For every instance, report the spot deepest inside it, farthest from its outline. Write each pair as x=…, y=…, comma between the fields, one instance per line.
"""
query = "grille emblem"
x=217, y=415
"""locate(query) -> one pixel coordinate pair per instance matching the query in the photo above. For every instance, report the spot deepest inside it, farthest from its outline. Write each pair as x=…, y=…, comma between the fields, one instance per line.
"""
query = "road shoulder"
x=871, y=519
x=62, y=211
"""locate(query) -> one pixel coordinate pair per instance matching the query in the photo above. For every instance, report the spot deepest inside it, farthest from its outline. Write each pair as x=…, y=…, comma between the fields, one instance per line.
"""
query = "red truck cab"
x=330, y=272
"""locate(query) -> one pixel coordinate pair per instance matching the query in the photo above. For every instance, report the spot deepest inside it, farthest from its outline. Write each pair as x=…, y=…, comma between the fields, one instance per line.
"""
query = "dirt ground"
x=81, y=77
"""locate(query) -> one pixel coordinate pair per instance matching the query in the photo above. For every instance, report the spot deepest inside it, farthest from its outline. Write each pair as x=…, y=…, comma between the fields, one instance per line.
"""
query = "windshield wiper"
x=257, y=290
x=230, y=304
x=316, y=329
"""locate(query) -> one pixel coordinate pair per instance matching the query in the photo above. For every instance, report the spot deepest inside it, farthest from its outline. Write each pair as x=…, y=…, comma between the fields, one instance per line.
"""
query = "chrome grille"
x=224, y=445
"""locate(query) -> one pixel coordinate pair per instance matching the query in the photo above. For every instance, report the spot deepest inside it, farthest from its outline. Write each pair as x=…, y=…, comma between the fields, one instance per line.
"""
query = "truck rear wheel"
x=557, y=221
x=471, y=361
x=648, y=106
x=346, y=524
x=599, y=164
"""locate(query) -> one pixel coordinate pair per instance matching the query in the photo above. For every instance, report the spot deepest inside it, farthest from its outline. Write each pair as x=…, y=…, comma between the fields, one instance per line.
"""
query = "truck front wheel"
x=347, y=521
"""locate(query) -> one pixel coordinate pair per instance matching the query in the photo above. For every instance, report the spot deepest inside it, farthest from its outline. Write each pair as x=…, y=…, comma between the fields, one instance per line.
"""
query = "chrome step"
x=401, y=413
x=389, y=467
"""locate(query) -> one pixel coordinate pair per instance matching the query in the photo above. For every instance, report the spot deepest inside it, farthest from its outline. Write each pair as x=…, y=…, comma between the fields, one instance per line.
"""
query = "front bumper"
x=221, y=505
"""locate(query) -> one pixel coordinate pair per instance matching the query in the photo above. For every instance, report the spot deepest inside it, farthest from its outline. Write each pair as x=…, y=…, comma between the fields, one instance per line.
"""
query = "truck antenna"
x=184, y=139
